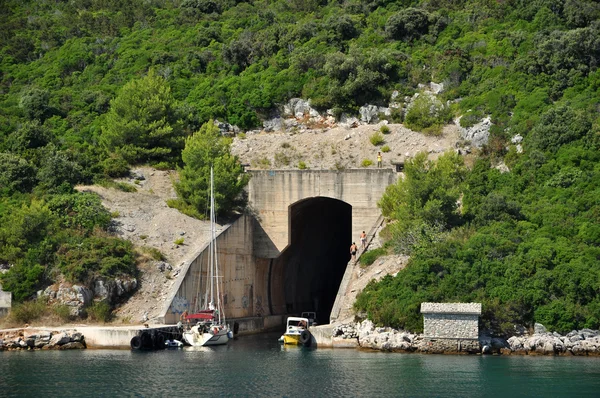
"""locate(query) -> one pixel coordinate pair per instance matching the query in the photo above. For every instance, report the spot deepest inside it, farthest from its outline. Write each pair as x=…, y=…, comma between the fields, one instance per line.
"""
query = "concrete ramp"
x=341, y=299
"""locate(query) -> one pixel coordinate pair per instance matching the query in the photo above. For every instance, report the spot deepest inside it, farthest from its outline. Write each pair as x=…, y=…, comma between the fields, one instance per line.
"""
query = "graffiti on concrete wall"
x=179, y=304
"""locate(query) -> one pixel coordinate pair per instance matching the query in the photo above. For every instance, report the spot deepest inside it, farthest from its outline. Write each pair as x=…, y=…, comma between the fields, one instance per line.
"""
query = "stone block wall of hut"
x=451, y=326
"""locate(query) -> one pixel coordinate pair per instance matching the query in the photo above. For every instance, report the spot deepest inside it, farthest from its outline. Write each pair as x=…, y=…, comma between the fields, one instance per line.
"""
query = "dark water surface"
x=257, y=366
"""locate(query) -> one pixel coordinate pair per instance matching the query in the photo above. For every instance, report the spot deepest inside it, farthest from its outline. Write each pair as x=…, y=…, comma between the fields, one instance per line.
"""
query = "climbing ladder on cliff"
x=350, y=268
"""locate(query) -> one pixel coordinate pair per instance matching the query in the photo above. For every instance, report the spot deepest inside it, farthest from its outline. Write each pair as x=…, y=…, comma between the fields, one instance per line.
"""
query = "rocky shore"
x=540, y=342
x=23, y=339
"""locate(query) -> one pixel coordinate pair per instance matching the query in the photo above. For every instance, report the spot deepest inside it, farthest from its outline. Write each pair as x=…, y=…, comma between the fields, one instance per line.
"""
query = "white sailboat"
x=210, y=328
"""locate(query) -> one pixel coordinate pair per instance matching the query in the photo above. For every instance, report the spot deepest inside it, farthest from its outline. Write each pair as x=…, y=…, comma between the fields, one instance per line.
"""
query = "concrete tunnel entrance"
x=310, y=270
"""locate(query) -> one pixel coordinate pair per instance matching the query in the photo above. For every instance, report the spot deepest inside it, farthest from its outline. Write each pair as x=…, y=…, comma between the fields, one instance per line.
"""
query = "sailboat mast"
x=212, y=240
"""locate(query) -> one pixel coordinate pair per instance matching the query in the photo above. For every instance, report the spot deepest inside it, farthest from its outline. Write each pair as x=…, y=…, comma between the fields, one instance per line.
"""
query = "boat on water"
x=297, y=332
x=210, y=327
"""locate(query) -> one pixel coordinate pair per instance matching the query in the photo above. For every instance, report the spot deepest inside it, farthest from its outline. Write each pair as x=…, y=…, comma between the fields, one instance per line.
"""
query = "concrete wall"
x=451, y=320
x=244, y=280
x=5, y=302
x=271, y=192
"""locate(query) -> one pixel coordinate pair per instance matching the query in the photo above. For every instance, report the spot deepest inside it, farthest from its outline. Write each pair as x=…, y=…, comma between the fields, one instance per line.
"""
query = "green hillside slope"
x=87, y=87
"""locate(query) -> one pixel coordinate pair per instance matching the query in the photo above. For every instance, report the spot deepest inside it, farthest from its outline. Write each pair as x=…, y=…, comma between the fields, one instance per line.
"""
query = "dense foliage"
x=204, y=150
x=87, y=87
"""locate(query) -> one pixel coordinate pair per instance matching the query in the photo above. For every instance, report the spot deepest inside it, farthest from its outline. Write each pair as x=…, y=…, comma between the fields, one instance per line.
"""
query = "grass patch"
x=302, y=165
x=366, y=163
x=179, y=241
x=385, y=149
x=151, y=252
x=385, y=130
x=120, y=186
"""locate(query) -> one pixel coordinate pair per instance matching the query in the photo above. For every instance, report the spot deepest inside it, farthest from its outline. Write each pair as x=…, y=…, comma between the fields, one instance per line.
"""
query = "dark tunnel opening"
x=315, y=261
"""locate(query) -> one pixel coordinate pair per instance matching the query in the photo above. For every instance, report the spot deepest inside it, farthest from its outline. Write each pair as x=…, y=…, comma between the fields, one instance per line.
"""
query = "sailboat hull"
x=196, y=339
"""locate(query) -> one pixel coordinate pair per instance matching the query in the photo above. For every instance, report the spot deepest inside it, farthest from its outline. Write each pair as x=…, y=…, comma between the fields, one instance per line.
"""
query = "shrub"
x=262, y=163
x=179, y=241
x=408, y=24
x=28, y=311
x=376, y=139
x=302, y=165
x=369, y=257
x=115, y=167
x=163, y=166
x=281, y=159
x=242, y=136
x=152, y=252
x=384, y=130
x=186, y=209
x=366, y=163
x=99, y=311
x=63, y=312
x=427, y=114
x=385, y=149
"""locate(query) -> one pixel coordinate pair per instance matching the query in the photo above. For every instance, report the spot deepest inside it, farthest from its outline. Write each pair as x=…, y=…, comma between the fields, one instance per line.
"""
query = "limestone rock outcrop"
x=25, y=339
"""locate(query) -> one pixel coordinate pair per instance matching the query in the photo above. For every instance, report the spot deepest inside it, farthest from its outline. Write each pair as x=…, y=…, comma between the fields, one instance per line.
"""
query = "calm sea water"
x=257, y=366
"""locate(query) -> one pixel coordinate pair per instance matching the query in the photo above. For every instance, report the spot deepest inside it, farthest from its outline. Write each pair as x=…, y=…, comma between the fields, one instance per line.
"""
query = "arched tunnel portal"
x=307, y=274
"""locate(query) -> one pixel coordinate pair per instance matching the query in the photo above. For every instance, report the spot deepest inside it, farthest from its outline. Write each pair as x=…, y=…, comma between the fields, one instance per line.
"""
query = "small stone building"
x=450, y=327
x=5, y=302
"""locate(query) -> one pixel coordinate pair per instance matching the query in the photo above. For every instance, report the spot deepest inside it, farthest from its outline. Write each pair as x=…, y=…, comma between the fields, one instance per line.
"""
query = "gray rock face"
x=478, y=134
x=299, y=108
x=75, y=297
x=539, y=329
x=113, y=290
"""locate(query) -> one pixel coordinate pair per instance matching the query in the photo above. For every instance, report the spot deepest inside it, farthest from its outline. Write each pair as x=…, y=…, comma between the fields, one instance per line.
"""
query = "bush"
x=384, y=130
x=100, y=311
x=385, y=149
x=369, y=257
x=408, y=24
x=302, y=165
x=63, y=312
x=179, y=241
x=427, y=115
x=115, y=167
x=366, y=163
x=376, y=138
x=28, y=311
x=151, y=252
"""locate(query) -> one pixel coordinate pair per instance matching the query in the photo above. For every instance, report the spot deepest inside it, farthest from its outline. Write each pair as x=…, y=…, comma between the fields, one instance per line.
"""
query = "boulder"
x=59, y=339
x=538, y=328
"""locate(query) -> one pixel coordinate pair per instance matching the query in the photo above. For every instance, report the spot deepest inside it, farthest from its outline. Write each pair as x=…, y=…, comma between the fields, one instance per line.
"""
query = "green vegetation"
x=376, y=138
x=179, y=241
x=384, y=130
x=100, y=311
x=205, y=149
x=302, y=165
x=89, y=88
x=366, y=163
x=385, y=149
x=369, y=257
